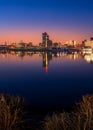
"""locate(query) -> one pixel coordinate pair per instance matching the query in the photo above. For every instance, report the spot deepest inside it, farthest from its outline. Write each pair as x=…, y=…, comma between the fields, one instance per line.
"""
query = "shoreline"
x=42, y=49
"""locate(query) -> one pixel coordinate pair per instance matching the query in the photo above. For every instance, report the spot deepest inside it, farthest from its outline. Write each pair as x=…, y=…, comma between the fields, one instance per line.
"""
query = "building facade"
x=46, y=42
x=89, y=42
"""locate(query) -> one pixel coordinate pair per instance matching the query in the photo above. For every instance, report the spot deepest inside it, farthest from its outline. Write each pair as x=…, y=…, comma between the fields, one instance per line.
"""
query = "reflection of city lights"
x=46, y=60
x=46, y=56
x=75, y=56
x=46, y=69
x=3, y=56
x=89, y=58
x=58, y=54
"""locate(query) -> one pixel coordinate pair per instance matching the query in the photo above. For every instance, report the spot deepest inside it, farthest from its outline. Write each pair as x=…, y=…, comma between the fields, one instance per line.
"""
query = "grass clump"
x=10, y=112
x=79, y=119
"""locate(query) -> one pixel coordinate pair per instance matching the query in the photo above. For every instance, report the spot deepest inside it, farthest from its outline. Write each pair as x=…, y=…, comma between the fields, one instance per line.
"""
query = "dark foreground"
x=16, y=114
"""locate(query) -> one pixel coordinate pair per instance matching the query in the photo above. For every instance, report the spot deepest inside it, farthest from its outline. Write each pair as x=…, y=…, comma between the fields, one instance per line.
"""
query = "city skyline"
x=63, y=20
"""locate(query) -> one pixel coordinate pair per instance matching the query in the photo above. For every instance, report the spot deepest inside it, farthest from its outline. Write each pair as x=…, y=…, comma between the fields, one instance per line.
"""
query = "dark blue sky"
x=62, y=19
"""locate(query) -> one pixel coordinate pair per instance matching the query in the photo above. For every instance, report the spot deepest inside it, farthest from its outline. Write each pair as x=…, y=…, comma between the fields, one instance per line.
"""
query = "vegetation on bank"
x=79, y=119
x=12, y=116
x=10, y=112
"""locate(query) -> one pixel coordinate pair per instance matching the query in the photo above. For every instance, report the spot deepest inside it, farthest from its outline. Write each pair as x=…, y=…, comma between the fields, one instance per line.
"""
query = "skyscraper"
x=45, y=39
x=46, y=42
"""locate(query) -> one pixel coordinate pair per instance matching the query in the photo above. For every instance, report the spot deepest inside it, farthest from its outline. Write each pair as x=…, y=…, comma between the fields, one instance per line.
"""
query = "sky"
x=63, y=20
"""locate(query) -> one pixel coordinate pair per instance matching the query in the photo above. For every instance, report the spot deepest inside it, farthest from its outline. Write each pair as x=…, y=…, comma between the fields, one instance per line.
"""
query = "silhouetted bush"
x=11, y=116
x=10, y=112
x=80, y=119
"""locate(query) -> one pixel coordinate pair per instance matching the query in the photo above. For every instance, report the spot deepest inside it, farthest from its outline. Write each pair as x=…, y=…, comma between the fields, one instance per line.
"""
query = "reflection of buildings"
x=89, y=58
x=20, y=54
x=46, y=58
x=73, y=56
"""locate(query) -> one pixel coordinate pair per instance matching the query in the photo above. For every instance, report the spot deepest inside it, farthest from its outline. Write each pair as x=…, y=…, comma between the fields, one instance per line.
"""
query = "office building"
x=89, y=42
x=46, y=42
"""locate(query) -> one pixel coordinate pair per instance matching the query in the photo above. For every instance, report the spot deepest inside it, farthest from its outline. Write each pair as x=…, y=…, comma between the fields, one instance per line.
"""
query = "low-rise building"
x=89, y=42
x=20, y=45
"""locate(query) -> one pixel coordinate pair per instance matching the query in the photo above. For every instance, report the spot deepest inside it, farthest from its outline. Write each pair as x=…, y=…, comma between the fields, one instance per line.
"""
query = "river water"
x=46, y=80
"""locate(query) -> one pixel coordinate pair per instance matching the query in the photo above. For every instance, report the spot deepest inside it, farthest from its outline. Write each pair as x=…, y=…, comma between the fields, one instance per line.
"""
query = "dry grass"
x=80, y=119
x=10, y=112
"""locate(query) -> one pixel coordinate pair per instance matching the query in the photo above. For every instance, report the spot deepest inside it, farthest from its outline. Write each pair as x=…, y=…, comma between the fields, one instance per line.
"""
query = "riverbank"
x=18, y=115
x=43, y=49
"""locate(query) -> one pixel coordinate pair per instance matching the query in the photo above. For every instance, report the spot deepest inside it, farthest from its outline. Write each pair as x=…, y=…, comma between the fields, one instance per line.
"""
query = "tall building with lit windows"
x=46, y=42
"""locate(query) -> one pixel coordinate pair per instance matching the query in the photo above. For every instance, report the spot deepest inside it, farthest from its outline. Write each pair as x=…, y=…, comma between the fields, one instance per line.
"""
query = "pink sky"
x=36, y=36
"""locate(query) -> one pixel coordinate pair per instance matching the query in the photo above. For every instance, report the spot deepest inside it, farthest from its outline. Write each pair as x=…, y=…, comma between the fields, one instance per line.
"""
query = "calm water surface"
x=46, y=80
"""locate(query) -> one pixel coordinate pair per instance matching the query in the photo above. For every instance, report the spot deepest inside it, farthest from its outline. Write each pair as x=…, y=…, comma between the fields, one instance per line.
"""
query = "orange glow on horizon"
x=17, y=37
x=36, y=37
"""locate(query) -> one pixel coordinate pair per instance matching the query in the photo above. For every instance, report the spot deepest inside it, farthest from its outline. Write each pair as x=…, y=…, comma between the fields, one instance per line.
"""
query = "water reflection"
x=69, y=76
x=89, y=58
x=46, y=59
x=46, y=56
